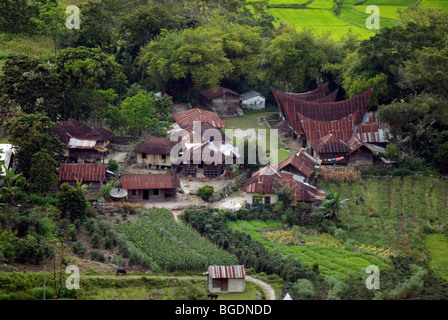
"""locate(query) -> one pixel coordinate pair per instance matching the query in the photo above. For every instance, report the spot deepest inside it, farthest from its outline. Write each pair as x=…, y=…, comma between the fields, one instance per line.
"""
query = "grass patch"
x=4, y=139
x=437, y=246
x=250, y=293
x=434, y=3
x=333, y=261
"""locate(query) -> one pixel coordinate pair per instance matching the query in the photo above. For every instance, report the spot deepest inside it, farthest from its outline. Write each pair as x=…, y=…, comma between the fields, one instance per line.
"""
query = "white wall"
x=260, y=103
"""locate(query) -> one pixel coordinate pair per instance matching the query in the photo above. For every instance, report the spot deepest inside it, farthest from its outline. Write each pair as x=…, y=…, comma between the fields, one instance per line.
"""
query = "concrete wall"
x=260, y=103
x=250, y=196
x=233, y=285
x=138, y=196
x=153, y=160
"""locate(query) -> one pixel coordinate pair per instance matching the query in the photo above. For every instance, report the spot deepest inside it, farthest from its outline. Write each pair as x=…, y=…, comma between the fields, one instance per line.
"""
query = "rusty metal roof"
x=330, y=144
x=330, y=98
x=315, y=130
x=150, y=181
x=321, y=111
x=268, y=179
x=227, y=272
x=84, y=172
x=186, y=118
x=302, y=161
x=155, y=145
x=213, y=94
x=371, y=130
x=315, y=94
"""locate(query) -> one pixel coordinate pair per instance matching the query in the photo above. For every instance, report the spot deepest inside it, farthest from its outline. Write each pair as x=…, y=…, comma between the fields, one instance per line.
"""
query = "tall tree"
x=34, y=86
x=29, y=134
x=139, y=111
x=43, y=175
x=191, y=59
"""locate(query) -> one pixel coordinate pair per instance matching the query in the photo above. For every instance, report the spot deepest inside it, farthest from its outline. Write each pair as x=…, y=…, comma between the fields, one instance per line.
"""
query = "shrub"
x=205, y=192
x=79, y=249
x=117, y=260
x=32, y=251
x=47, y=227
x=304, y=288
x=96, y=240
x=38, y=293
x=96, y=255
x=72, y=202
x=113, y=166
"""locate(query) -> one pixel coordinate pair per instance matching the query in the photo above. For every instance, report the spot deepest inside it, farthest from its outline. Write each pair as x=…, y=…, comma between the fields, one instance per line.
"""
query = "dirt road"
x=268, y=290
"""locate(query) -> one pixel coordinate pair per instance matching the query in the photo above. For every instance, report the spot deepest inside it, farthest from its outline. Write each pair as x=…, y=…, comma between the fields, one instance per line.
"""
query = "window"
x=164, y=158
x=143, y=155
x=156, y=192
x=134, y=192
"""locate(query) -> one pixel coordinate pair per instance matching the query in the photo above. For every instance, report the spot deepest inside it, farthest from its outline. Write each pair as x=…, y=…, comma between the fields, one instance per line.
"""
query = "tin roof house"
x=150, y=187
x=223, y=101
x=252, y=100
x=93, y=175
x=226, y=278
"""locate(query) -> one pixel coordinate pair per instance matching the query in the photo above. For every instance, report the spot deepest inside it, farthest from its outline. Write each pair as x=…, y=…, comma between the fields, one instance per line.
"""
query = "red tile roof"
x=186, y=118
x=315, y=130
x=155, y=145
x=84, y=172
x=330, y=144
x=226, y=272
x=322, y=111
x=213, y=94
x=150, y=181
x=302, y=161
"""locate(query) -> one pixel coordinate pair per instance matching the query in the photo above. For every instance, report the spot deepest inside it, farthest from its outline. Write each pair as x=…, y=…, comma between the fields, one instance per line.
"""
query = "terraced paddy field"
x=318, y=16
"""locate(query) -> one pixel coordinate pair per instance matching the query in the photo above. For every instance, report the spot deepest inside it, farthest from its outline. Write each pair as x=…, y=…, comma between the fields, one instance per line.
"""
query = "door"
x=145, y=194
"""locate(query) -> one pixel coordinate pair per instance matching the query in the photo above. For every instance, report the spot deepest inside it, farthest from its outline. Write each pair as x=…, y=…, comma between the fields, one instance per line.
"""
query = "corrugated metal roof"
x=210, y=94
x=150, y=181
x=341, y=129
x=250, y=95
x=186, y=118
x=302, y=161
x=84, y=172
x=371, y=130
x=330, y=144
x=227, y=272
x=315, y=94
x=321, y=111
x=75, y=143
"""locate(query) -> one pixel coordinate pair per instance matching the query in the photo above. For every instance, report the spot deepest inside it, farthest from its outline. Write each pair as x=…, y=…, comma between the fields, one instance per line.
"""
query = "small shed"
x=94, y=175
x=223, y=101
x=226, y=278
x=149, y=187
x=252, y=100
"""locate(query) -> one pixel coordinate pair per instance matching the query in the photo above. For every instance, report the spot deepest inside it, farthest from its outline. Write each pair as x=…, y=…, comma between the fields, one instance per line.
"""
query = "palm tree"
x=332, y=204
x=11, y=190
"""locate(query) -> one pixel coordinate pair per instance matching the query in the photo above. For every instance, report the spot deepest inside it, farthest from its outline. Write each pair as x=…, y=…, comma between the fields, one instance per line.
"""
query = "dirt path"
x=269, y=291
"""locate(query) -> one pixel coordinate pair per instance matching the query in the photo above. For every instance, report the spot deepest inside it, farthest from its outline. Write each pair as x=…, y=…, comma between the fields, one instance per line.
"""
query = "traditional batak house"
x=300, y=164
x=154, y=153
x=261, y=188
x=330, y=150
x=83, y=144
x=150, y=187
x=93, y=175
x=223, y=101
x=226, y=278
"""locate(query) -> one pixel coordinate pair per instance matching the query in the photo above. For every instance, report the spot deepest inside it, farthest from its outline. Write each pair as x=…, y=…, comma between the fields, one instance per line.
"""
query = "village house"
x=300, y=164
x=186, y=118
x=225, y=102
x=93, y=175
x=261, y=188
x=226, y=278
x=154, y=153
x=150, y=187
x=252, y=100
x=330, y=150
x=83, y=144
x=366, y=154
